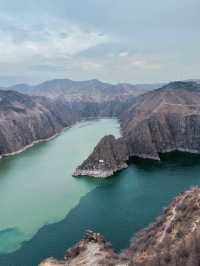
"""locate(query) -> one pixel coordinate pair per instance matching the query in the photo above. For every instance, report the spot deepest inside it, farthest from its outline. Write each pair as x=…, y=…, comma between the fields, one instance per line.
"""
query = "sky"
x=135, y=41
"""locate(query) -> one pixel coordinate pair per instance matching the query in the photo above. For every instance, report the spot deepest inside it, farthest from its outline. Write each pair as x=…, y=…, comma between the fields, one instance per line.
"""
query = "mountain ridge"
x=88, y=90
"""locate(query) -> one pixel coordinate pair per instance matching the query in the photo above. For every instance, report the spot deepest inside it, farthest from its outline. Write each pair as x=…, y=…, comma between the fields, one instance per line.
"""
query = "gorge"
x=152, y=124
x=46, y=109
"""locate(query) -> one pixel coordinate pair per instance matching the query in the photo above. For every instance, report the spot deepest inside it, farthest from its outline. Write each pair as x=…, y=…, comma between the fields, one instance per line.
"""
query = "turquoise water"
x=64, y=207
x=37, y=187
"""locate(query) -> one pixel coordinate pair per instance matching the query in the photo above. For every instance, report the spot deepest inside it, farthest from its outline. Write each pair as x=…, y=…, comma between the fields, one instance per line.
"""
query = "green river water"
x=37, y=187
x=44, y=210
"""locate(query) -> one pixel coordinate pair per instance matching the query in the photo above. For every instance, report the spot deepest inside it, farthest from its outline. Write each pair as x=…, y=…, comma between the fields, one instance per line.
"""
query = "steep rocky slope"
x=174, y=240
x=108, y=157
x=25, y=119
x=157, y=122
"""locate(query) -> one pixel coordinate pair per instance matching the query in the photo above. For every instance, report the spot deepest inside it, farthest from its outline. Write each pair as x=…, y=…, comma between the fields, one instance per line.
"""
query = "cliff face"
x=157, y=122
x=174, y=240
x=25, y=119
x=164, y=120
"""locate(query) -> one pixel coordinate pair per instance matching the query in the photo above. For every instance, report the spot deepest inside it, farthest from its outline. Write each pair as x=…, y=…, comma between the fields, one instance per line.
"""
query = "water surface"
x=117, y=207
x=37, y=187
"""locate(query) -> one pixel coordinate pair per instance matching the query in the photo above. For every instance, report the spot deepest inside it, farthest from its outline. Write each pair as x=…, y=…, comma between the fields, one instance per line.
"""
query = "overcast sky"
x=137, y=41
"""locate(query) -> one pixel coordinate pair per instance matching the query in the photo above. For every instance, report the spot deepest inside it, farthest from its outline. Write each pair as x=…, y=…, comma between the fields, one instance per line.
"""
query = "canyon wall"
x=161, y=121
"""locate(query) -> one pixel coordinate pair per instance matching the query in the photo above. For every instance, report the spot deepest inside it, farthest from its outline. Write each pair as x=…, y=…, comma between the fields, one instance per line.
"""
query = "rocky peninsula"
x=161, y=121
x=108, y=157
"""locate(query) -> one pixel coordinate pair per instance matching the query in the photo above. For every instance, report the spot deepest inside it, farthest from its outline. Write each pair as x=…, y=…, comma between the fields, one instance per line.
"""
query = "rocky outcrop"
x=92, y=250
x=174, y=240
x=164, y=120
x=109, y=156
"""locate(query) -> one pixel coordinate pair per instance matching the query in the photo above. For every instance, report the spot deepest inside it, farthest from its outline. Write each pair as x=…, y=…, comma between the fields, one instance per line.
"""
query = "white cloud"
x=123, y=54
x=55, y=48
x=145, y=64
x=51, y=41
x=91, y=66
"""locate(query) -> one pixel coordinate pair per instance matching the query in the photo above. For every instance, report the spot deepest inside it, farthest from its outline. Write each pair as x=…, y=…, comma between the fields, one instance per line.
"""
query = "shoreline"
x=106, y=173
x=2, y=156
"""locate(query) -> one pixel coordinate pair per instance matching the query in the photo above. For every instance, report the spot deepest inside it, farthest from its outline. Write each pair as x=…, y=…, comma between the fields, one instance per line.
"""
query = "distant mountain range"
x=87, y=91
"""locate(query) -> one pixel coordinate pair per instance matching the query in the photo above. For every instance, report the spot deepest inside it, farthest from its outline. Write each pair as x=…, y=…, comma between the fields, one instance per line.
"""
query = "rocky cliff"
x=174, y=240
x=160, y=121
x=25, y=120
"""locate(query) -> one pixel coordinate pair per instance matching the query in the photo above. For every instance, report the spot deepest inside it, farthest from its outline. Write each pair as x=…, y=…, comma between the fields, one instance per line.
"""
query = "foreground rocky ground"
x=174, y=239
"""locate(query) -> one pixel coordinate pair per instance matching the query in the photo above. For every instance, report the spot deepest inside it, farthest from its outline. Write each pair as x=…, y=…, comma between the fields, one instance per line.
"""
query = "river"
x=42, y=203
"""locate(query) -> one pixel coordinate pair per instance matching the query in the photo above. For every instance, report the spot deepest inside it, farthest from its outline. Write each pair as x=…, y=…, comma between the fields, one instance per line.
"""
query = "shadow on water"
x=118, y=208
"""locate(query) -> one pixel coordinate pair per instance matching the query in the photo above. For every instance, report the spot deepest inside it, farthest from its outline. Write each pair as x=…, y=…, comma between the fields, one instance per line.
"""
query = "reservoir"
x=44, y=210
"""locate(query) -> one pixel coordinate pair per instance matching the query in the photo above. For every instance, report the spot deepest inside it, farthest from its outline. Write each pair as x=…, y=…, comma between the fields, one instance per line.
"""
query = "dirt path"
x=168, y=224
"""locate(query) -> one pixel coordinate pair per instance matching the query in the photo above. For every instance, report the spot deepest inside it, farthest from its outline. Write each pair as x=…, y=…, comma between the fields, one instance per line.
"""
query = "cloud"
x=145, y=64
x=123, y=54
x=48, y=40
